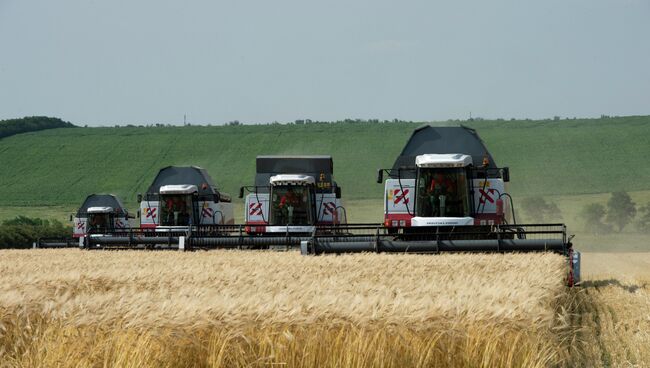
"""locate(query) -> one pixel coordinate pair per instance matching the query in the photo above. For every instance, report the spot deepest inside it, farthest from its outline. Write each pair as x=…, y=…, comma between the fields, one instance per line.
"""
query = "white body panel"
x=291, y=179
x=290, y=229
x=485, y=199
x=209, y=213
x=327, y=208
x=442, y=221
x=575, y=262
x=178, y=189
x=80, y=225
x=149, y=213
x=122, y=223
x=398, y=196
x=79, y=228
x=99, y=209
x=443, y=160
x=399, y=200
x=257, y=208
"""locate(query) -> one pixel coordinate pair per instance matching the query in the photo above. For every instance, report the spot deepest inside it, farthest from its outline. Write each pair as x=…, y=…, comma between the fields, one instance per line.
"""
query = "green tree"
x=592, y=215
x=620, y=210
x=537, y=209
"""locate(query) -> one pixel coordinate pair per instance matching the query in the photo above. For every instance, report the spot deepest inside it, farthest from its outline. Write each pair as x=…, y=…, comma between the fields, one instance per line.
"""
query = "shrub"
x=22, y=231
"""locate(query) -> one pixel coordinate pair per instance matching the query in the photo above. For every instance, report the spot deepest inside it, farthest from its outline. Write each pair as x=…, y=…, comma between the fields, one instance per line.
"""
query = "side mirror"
x=505, y=174
x=139, y=197
x=380, y=176
x=241, y=192
x=337, y=190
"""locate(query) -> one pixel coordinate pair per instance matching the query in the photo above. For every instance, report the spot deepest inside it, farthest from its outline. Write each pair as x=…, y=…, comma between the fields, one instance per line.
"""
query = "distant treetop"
x=30, y=124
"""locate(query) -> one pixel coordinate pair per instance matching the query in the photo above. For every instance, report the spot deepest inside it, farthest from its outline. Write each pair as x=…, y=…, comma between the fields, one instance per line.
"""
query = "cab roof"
x=320, y=167
x=102, y=200
x=183, y=175
x=441, y=140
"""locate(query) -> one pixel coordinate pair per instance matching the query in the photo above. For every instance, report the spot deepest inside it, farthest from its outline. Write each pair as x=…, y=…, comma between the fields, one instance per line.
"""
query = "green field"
x=48, y=173
x=61, y=166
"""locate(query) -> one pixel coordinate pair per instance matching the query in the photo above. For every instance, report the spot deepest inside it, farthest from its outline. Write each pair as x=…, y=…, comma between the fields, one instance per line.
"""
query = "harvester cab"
x=292, y=201
x=448, y=190
x=99, y=214
x=180, y=197
x=445, y=177
x=446, y=193
x=100, y=219
x=292, y=194
x=179, y=205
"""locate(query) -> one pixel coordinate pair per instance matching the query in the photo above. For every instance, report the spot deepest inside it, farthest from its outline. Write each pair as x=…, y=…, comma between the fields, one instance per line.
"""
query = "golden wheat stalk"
x=229, y=308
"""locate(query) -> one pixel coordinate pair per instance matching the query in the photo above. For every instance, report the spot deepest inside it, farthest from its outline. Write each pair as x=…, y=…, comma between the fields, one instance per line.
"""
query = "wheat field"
x=612, y=320
x=72, y=308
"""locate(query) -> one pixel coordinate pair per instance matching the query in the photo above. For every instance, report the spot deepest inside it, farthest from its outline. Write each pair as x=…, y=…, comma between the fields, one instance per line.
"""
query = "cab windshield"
x=442, y=192
x=99, y=222
x=176, y=210
x=291, y=205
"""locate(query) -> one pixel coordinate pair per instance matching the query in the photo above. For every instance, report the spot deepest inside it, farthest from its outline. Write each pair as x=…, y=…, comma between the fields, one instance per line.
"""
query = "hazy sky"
x=106, y=62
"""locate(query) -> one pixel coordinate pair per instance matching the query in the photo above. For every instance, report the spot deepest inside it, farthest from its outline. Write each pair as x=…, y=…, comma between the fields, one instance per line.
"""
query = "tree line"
x=22, y=232
x=11, y=127
x=619, y=213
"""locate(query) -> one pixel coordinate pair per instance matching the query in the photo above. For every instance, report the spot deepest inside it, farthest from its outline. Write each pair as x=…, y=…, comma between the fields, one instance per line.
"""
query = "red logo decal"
x=150, y=213
x=207, y=212
x=486, y=196
x=255, y=209
x=400, y=196
x=329, y=208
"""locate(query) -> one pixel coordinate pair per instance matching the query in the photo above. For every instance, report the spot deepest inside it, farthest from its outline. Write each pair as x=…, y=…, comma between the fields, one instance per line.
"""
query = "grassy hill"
x=61, y=166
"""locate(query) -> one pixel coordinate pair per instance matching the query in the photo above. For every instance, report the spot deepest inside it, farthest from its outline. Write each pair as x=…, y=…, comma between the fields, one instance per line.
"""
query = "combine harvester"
x=445, y=193
x=99, y=213
x=293, y=198
x=179, y=200
x=180, y=197
x=292, y=195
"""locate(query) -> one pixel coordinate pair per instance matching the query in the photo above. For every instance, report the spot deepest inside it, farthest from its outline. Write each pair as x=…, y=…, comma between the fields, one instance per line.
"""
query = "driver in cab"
x=288, y=199
x=438, y=189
